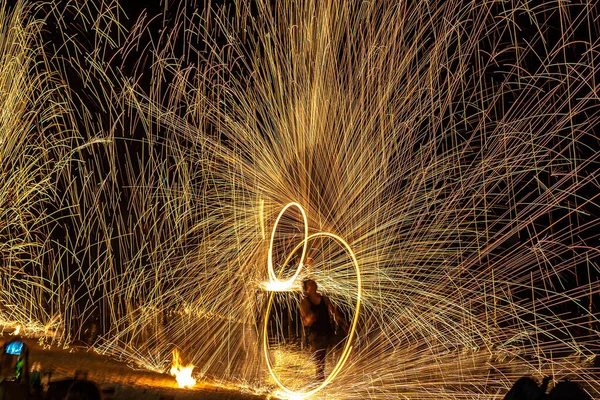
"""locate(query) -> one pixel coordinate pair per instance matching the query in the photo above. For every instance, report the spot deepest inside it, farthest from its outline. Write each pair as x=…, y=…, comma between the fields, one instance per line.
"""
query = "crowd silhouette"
x=526, y=388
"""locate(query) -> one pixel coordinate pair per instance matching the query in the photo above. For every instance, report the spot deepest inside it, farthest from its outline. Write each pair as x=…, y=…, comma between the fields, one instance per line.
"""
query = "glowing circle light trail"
x=277, y=285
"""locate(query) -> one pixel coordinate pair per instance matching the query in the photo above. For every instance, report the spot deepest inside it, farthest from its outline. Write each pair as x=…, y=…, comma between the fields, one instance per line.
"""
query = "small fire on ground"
x=183, y=374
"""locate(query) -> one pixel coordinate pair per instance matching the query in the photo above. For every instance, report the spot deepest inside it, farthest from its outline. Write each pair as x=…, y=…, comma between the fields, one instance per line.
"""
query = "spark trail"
x=452, y=145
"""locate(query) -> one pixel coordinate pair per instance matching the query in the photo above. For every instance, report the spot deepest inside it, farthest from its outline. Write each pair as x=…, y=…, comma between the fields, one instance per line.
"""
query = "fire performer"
x=315, y=311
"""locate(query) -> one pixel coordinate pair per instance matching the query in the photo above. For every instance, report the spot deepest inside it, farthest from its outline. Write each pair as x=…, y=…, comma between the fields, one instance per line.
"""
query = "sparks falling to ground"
x=452, y=146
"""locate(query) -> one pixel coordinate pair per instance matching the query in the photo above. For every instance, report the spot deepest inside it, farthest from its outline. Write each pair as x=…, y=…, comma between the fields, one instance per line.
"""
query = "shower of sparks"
x=452, y=145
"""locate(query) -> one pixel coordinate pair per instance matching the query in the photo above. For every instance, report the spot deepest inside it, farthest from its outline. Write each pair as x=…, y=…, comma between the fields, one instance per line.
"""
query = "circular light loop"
x=274, y=282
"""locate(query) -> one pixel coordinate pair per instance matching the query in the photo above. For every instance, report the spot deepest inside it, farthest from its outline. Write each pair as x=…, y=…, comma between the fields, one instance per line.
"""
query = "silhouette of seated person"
x=525, y=388
x=57, y=390
x=84, y=390
x=567, y=390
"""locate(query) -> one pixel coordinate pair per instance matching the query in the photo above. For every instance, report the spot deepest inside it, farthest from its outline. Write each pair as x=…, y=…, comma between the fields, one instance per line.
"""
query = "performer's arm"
x=308, y=317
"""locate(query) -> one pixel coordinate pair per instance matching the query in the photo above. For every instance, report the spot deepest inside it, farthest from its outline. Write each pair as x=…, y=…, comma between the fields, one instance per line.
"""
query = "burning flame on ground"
x=183, y=374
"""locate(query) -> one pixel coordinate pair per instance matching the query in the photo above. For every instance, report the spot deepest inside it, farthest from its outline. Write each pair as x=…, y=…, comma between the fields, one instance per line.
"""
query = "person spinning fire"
x=315, y=311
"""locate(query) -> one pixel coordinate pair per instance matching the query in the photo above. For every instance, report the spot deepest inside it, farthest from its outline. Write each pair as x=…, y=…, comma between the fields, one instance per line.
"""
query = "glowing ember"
x=183, y=374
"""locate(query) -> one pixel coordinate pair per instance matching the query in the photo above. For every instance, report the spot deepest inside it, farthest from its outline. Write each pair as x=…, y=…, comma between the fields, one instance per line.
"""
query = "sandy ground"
x=122, y=382
x=127, y=383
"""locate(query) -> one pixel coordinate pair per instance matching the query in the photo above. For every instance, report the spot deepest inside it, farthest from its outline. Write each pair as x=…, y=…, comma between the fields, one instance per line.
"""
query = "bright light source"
x=183, y=374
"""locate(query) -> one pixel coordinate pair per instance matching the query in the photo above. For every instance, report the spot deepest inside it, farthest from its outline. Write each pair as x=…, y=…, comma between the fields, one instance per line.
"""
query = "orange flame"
x=183, y=374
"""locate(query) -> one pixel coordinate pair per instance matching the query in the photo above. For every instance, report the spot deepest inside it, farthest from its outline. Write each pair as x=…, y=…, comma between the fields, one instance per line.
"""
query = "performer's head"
x=309, y=286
